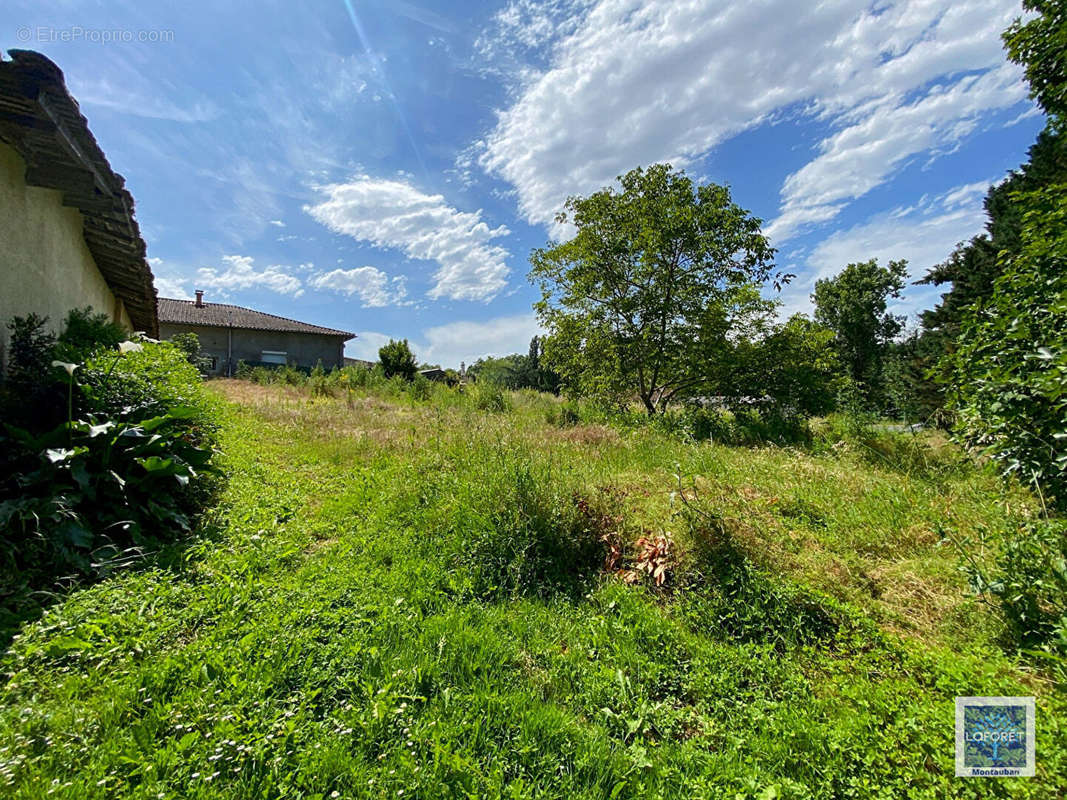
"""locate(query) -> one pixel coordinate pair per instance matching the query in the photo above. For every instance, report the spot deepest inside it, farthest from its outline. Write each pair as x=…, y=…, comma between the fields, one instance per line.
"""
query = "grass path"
x=377, y=608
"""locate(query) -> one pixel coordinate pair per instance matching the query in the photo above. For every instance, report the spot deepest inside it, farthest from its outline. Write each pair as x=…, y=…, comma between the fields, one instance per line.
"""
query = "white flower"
x=68, y=367
x=130, y=347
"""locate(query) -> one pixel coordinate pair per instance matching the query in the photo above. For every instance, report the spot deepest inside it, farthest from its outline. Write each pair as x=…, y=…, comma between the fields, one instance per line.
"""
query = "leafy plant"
x=645, y=300
x=1029, y=582
x=397, y=359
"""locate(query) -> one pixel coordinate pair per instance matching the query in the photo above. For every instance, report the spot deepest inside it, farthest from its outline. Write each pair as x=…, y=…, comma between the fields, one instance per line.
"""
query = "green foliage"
x=538, y=539
x=86, y=331
x=1010, y=367
x=517, y=371
x=122, y=474
x=189, y=343
x=647, y=296
x=144, y=382
x=489, y=397
x=853, y=305
x=396, y=358
x=1038, y=46
x=410, y=597
x=794, y=366
x=88, y=495
x=1029, y=582
x=29, y=387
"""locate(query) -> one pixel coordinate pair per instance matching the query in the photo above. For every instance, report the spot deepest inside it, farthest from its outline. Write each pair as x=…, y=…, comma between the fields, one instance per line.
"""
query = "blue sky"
x=386, y=167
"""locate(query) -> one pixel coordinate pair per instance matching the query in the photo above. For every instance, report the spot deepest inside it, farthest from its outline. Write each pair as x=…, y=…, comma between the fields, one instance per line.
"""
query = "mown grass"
x=402, y=598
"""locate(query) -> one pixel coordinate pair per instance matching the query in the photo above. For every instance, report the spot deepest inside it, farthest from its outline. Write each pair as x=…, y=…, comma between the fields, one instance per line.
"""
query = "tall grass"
x=403, y=597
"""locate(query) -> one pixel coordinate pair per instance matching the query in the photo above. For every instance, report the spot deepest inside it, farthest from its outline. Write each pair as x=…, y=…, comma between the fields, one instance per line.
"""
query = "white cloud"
x=456, y=342
x=924, y=235
x=277, y=223
x=862, y=156
x=241, y=274
x=171, y=287
x=150, y=104
x=366, y=345
x=637, y=82
x=394, y=214
x=373, y=286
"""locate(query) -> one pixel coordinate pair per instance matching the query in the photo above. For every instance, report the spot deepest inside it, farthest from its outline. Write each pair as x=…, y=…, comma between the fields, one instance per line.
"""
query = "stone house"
x=229, y=334
x=68, y=237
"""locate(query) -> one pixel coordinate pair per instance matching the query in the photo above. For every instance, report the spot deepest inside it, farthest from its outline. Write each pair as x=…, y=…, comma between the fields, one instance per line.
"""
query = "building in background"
x=229, y=334
x=68, y=237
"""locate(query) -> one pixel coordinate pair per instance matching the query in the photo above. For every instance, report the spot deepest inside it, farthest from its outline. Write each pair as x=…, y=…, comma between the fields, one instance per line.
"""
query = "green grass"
x=406, y=599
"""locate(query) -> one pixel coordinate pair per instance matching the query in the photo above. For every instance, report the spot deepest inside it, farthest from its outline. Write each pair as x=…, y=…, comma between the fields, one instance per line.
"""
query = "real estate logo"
x=994, y=737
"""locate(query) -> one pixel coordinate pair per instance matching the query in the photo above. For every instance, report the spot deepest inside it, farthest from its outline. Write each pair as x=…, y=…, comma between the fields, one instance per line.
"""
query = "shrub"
x=420, y=388
x=1010, y=366
x=489, y=397
x=1029, y=583
x=84, y=333
x=320, y=382
x=121, y=473
x=30, y=388
x=142, y=382
x=538, y=540
x=397, y=359
x=83, y=495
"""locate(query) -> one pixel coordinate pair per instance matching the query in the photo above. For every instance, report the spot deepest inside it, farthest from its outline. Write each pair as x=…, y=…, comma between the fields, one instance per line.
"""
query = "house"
x=360, y=362
x=229, y=334
x=434, y=374
x=68, y=237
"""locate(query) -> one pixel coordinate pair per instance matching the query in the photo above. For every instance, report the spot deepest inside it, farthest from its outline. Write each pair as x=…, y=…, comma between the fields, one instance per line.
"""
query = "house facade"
x=68, y=236
x=230, y=334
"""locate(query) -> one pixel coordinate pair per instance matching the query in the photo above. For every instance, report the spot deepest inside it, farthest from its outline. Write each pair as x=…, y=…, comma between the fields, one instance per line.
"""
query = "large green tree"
x=853, y=305
x=1009, y=368
x=396, y=358
x=646, y=299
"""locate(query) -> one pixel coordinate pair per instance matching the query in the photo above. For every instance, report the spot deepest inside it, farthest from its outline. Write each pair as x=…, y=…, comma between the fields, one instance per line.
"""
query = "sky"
x=386, y=166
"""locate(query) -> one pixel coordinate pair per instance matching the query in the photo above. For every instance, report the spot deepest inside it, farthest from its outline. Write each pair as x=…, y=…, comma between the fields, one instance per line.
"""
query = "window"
x=273, y=356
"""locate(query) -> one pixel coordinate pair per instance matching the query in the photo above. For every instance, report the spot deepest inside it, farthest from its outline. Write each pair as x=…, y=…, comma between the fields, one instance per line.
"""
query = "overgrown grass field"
x=449, y=597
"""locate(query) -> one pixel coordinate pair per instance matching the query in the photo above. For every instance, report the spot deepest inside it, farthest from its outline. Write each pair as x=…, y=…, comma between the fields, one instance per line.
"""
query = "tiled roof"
x=42, y=122
x=186, y=312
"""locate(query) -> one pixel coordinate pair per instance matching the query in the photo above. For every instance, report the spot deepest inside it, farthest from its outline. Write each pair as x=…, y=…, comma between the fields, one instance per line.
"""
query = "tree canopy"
x=659, y=279
x=397, y=359
x=853, y=305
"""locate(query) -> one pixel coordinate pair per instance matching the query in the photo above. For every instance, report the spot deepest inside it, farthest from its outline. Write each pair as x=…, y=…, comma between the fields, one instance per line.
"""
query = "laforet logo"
x=995, y=736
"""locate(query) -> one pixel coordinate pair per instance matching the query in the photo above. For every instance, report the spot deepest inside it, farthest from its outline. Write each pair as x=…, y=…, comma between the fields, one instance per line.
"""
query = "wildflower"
x=130, y=347
x=68, y=367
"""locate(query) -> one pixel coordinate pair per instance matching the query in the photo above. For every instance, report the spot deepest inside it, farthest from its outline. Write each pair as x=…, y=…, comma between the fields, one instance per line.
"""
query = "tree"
x=973, y=267
x=646, y=297
x=397, y=359
x=853, y=305
x=1038, y=46
x=795, y=365
x=1010, y=366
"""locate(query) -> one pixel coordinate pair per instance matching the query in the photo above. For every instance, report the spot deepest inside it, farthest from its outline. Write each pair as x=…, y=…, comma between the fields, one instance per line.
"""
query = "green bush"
x=146, y=381
x=84, y=333
x=396, y=358
x=123, y=471
x=29, y=390
x=87, y=494
x=489, y=397
x=1029, y=582
x=1010, y=368
x=421, y=388
x=534, y=537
